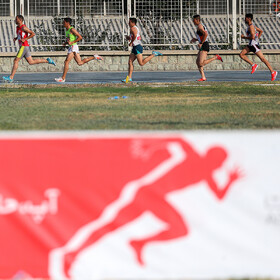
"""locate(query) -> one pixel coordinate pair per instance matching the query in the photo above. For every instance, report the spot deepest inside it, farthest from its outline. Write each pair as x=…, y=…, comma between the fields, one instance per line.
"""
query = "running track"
x=140, y=77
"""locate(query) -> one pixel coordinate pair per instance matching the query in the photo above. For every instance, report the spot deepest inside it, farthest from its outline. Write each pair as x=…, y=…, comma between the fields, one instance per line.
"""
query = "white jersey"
x=137, y=40
x=255, y=41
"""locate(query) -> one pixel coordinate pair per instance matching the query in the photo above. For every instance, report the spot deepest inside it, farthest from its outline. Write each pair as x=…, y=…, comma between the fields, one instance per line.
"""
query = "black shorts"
x=254, y=48
x=205, y=47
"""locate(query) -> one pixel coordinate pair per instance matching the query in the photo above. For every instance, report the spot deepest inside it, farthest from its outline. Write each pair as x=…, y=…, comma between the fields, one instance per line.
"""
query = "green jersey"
x=70, y=37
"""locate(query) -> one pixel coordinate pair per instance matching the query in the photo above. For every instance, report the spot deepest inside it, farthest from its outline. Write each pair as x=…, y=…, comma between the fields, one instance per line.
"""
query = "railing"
x=164, y=24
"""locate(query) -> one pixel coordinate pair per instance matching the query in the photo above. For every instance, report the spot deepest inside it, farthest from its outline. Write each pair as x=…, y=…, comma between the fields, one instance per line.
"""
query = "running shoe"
x=127, y=80
x=60, y=80
x=98, y=57
x=50, y=61
x=201, y=80
x=219, y=58
x=8, y=79
x=254, y=68
x=274, y=75
x=155, y=53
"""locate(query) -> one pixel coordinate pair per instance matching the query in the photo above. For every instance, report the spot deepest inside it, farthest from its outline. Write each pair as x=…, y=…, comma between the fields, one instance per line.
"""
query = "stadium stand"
x=107, y=32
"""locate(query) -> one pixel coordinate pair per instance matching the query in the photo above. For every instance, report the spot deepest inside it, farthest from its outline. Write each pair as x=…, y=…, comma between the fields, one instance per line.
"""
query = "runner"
x=151, y=193
x=24, y=51
x=253, y=35
x=203, y=46
x=73, y=36
x=137, y=49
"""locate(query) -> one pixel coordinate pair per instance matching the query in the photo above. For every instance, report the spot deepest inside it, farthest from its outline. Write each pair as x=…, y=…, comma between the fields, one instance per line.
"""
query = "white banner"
x=236, y=237
x=187, y=205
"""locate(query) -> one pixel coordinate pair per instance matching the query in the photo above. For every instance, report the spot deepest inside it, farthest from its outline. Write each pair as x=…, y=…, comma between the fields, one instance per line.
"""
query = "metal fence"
x=60, y=7
x=170, y=22
x=5, y=8
x=164, y=24
x=266, y=16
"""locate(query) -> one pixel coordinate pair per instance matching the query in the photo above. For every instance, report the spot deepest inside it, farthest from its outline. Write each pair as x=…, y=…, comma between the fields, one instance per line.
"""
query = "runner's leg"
x=264, y=60
x=125, y=215
x=132, y=57
x=175, y=226
x=66, y=64
x=32, y=61
x=81, y=62
x=209, y=60
x=142, y=61
x=15, y=67
x=199, y=61
x=244, y=57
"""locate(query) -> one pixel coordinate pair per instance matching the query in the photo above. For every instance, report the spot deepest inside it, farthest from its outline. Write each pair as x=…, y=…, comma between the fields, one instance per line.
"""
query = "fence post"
x=239, y=21
x=58, y=7
x=234, y=29
x=12, y=8
x=228, y=23
x=75, y=13
x=123, y=36
x=104, y=4
x=28, y=12
x=21, y=7
x=128, y=9
x=128, y=13
x=181, y=27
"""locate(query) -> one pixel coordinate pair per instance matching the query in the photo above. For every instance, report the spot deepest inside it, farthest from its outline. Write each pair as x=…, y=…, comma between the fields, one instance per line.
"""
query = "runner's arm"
x=260, y=32
x=194, y=40
x=221, y=192
x=27, y=30
x=77, y=34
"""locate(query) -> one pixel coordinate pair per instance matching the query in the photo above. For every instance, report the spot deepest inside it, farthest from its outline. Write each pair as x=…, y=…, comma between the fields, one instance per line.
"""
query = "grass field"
x=149, y=107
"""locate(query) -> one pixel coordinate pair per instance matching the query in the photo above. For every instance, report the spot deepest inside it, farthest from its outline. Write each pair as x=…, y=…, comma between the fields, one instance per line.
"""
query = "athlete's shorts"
x=205, y=47
x=24, y=51
x=74, y=48
x=254, y=48
x=138, y=49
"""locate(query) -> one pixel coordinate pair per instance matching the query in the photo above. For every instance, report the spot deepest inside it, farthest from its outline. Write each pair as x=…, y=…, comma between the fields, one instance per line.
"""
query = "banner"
x=140, y=205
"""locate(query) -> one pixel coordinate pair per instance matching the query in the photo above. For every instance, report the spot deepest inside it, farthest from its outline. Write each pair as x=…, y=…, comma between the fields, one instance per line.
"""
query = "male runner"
x=73, y=36
x=203, y=46
x=24, y=51
x=137, y=49
x=253, y=35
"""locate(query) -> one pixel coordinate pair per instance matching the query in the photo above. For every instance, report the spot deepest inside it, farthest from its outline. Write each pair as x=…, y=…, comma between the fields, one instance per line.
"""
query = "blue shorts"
x=137, y=49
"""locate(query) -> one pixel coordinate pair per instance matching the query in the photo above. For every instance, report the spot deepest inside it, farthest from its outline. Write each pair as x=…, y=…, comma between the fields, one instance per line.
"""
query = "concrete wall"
x=117, y=61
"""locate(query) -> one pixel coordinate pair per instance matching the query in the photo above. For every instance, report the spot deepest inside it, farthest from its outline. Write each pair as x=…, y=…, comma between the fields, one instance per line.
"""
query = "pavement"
x=139, y=77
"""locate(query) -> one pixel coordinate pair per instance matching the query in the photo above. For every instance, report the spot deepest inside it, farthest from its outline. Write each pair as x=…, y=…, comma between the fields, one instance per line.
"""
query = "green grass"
x=216, y=106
